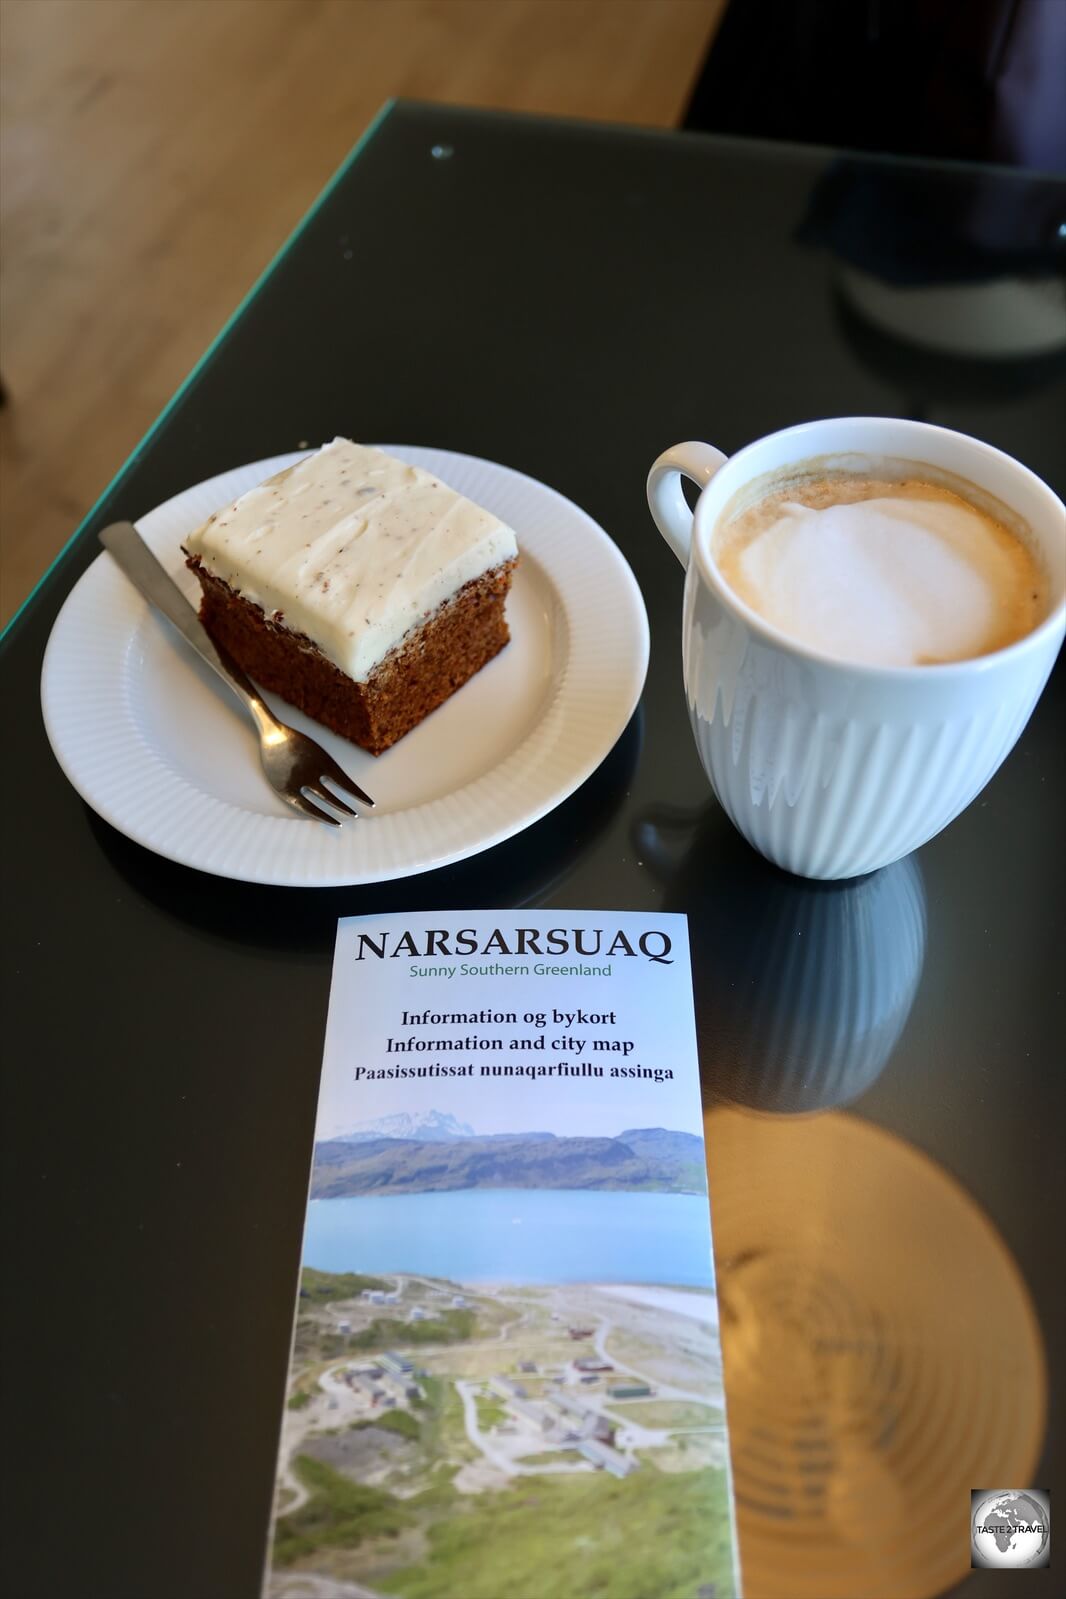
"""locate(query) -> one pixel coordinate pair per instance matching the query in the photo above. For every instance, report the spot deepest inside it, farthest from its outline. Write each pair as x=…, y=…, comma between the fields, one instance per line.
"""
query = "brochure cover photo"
x=506, y=1371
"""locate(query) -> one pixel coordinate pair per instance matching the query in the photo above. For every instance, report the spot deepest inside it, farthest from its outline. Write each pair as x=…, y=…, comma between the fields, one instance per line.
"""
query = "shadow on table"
x=802, y=989
x=520, y=871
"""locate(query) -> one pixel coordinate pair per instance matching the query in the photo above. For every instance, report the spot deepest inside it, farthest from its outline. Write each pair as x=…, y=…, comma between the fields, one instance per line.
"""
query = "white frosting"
x=891, y=582
x=352, y=548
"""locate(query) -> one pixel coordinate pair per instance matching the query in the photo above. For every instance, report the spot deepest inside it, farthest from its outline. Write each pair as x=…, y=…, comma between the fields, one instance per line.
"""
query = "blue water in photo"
x=516, y=1235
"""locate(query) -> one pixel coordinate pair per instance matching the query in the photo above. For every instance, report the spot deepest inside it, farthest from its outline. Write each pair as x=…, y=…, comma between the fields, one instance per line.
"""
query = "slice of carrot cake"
x=361, y=589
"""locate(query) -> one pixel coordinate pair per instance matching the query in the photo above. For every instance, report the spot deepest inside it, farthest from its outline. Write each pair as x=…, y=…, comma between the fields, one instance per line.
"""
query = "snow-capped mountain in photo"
x=428, y=1127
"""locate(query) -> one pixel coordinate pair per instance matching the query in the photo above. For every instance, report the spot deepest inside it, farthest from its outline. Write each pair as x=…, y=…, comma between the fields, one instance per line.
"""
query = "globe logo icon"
x=1010, y=1528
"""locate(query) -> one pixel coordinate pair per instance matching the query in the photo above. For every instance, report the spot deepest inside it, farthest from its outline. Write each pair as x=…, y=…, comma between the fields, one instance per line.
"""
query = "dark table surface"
x=567, y=300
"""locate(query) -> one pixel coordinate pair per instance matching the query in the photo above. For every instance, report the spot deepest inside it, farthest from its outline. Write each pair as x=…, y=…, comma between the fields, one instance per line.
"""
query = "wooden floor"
x=155, y=154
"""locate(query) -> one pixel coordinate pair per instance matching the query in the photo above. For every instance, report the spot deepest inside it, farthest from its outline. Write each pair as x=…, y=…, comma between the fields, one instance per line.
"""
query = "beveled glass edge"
x=219, y=339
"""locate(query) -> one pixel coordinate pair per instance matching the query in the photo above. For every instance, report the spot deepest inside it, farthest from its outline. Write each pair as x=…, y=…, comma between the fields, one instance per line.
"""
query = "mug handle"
x=666, y=498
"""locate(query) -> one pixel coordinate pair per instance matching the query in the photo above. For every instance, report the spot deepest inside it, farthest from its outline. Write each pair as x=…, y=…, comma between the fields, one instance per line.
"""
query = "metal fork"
x=291, y=761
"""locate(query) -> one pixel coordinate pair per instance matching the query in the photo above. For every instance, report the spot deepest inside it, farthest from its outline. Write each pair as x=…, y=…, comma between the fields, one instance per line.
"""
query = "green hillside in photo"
x=650, y=1534
x=649, y=1159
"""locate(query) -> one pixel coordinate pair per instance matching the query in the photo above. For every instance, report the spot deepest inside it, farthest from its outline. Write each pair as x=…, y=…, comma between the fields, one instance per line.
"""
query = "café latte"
x=882, y=567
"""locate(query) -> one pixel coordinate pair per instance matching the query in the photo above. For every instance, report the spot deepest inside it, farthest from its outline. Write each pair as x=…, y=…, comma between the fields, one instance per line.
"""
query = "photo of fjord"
x=506, y=1373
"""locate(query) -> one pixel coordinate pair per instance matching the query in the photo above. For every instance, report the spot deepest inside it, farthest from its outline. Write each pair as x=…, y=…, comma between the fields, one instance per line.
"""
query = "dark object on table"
x=949, y=285
x=980, y=81
x=937, y=226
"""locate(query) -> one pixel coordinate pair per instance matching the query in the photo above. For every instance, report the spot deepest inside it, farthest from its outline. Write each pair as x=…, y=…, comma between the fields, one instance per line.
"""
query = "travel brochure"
x=506, y=1370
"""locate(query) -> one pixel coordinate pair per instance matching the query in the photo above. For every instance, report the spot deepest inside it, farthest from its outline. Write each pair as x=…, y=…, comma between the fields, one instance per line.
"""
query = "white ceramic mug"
x=831, y=768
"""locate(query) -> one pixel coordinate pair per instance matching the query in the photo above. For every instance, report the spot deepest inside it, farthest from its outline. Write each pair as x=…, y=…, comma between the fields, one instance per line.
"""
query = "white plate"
x=156, y=744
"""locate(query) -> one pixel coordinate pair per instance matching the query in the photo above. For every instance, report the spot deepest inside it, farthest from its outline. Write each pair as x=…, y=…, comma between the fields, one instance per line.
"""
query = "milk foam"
x=882, y=572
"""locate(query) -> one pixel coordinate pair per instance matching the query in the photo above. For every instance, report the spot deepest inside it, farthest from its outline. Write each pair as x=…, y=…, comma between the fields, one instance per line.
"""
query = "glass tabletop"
x=884, y=1115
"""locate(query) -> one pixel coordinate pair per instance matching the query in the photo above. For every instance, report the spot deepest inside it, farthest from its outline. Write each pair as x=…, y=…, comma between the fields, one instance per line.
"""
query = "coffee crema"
x=880, y=569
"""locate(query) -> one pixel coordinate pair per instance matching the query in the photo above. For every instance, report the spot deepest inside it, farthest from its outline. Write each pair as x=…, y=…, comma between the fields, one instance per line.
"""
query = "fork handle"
x=125, y=545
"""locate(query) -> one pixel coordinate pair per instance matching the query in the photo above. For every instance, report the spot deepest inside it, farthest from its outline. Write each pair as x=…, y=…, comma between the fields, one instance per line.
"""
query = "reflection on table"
x=802, y=989
x=881, y=1357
